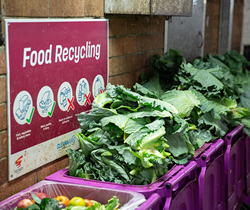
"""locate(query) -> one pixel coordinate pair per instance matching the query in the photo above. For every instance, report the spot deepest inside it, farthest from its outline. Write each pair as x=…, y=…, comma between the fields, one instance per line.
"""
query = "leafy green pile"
x=125, y=138
x=212, y=93
x=134, y=137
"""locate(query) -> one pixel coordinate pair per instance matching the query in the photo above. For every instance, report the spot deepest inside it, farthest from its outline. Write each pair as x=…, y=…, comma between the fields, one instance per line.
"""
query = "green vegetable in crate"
x=123, y=138
x=211, y=94
x=133, y=137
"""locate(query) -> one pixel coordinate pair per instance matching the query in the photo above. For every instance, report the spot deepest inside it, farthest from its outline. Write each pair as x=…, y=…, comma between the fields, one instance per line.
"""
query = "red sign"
x=55, y=70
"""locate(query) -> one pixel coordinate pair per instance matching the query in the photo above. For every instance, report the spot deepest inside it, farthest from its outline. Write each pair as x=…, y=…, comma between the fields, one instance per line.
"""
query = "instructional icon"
x=82, y=92
x=45, y=101
x=23, y=108
x=65, y=97
x=98, y=85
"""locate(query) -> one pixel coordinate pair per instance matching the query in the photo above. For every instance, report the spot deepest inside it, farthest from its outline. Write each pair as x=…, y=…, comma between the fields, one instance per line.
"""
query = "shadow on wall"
x=247, y=53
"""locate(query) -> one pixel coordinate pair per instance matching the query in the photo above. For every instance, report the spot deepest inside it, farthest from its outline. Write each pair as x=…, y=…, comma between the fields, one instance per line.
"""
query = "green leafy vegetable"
x=133, y=137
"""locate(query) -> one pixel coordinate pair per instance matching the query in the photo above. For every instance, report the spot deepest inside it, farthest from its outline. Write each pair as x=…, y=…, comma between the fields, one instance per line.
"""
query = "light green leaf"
x=133, y=125
x=155, y=103
x=219, y=126
x=208, y=105
x=150, y=89
x=102, y=99
x=204, y=77
x=95, y=114
x=119, y=120
x=149, y=112
x=183, y=101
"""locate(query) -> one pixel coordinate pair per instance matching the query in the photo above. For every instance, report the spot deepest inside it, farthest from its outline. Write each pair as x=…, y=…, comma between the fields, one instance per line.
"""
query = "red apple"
x=24, y=203
x=42, y=195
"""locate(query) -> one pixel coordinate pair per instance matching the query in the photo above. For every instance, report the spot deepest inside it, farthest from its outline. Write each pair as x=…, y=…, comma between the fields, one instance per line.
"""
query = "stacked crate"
x=217, y=177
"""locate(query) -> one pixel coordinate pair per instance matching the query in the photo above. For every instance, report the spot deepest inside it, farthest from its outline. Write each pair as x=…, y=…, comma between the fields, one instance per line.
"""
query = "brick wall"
x=212, y=22
x=132, y=42
x=237, y=25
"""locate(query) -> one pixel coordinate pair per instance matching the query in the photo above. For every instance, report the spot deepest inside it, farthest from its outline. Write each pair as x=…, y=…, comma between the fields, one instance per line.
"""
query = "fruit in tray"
x=41, y=196
x=88, y=202
x=42, y=201
x=24, y=203
x=77, y=201
x=63, y=200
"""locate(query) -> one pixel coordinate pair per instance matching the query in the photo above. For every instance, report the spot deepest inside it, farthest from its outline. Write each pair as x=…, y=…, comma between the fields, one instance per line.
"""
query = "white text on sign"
x=62, y=54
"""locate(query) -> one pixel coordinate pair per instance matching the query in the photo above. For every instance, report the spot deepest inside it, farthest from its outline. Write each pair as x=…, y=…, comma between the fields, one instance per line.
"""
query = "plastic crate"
x=247, y=190
x=234, y=167
x=127, y=200
x=211, y=177
x=147, y=190
x=182, y=189
x=153, y=202
x=158, y=187
x=185, y=189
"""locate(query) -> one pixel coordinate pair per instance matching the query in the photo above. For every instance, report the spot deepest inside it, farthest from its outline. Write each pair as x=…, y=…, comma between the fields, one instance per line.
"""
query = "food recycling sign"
x=55, y=69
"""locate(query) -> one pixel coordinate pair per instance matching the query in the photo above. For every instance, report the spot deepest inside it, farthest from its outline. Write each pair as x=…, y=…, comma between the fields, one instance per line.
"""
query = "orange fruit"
x=63, y=200
x=88, y=202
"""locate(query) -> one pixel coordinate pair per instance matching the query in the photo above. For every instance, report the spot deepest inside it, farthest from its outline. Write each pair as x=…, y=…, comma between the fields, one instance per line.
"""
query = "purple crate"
x=234, y=167
x=211, y=177
x=127, y=200
x=147, y=190
x=247, y=165
x=158, y=186
x=182, y=189
x=246, y=200
x=153, y=202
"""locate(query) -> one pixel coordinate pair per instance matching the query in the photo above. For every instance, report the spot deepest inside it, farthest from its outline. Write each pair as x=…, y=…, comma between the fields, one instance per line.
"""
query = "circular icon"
x=64, y=96
x=45, y=101
x=98, y=85
x=82, y=92
x=23, y=108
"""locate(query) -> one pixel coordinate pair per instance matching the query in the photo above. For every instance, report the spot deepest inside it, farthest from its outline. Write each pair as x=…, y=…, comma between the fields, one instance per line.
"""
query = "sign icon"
x=65, y=96
x=71, y=104
x=87, y=99
x=24, y=104
x=45, y=101
x=51, y=112
x=101, y=91
x=28, y=120
x=82, y=92
x=23, y=108
x=98, y=85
